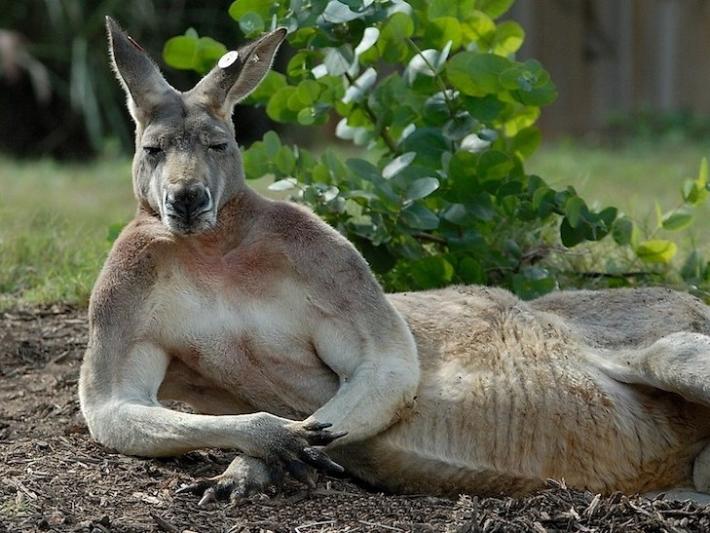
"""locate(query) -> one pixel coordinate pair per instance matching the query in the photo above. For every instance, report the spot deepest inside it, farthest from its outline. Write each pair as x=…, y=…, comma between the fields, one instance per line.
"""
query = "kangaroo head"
x=187, y=164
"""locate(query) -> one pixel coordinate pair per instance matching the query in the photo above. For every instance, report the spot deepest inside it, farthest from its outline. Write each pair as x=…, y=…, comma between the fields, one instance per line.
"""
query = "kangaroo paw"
x=245, y=476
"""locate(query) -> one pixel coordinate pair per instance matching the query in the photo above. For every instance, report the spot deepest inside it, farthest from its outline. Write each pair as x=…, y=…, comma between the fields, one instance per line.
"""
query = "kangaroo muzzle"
x=188, y=208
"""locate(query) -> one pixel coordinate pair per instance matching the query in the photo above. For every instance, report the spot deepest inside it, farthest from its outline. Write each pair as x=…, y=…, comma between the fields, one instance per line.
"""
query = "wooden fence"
x=609, y=56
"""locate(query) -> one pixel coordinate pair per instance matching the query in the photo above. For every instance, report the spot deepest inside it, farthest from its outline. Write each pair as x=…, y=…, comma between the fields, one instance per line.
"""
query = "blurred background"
x=631, y=121
x=622, y=67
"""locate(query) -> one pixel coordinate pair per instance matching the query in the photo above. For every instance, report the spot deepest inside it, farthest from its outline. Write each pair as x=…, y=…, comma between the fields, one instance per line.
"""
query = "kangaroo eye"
x=218, y=147
x=152, y=150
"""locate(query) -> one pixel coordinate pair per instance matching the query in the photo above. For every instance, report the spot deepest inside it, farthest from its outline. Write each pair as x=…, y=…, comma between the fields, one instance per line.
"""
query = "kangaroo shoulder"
x=321, y=255
x=129, y=270
x=308, y=238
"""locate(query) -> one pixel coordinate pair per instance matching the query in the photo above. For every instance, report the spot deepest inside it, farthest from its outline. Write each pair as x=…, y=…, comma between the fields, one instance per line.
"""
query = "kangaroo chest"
x=256, y=345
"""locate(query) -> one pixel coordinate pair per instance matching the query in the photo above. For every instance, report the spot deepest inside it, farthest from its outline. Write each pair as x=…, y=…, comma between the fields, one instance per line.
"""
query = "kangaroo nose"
x=190, y=201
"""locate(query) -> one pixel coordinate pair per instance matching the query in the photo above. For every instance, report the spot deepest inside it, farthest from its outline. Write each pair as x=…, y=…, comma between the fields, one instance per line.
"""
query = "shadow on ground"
x=53, y=477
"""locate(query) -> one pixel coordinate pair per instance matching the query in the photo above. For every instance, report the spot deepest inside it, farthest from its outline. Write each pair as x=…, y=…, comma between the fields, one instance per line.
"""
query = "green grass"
x=55, y=218
x=54, y=221
x=632, y=178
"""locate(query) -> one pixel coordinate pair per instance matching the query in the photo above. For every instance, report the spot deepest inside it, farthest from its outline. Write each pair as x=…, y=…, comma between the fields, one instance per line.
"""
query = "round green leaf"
x=337, y=12
x=398, y=26
x=307, y=116
x=575, y=209
x=398, y=164
x=240, y=8
x=526, y=141
x=421, y=188
x=188, y=52
x=299, y=66
x=677, y=220
x=476, y=74
x=179, y=52
x=428, y=143
x=364, y=169
x=571, y=236
x=392, y=44
x=256, y=162
x=508, y=38
x=419, y=217
x=431, y=272
x=277, y=109
x=622, y=230
x=478, y=28
x=251, y=24
x=458, y=127
x=272, y=143
x=494, y=165
x=308, y=91
x=444, y=29
x=540, y=96
x=533, y=282
x=285, y=160
x=441, y=8
x=656, y=251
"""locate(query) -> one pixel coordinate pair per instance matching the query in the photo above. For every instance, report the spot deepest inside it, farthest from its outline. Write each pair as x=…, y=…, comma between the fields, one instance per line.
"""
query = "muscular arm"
x=122, y=373
x=118, y=395
x=119, y=402
x=355, y=330
x=375, y=358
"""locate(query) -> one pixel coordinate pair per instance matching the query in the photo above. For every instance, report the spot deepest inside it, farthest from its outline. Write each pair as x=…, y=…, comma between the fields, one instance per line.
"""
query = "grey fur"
x=264, y=315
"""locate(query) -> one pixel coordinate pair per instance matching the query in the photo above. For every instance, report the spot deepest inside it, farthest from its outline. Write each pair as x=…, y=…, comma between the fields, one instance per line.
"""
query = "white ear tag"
x=227, y=59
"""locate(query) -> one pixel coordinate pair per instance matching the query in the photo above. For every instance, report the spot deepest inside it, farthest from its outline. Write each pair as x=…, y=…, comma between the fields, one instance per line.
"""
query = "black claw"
x=316, y=426
x=209, y=490
x=196, y=488
x=321, y=461
x=323, y=438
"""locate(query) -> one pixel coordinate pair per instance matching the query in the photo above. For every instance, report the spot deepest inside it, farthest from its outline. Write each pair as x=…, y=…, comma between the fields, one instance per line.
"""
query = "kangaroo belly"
x=507, y=401
x=492, y=435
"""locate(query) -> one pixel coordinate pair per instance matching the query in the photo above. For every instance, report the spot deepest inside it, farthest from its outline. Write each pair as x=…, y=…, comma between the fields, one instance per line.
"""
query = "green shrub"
x=445, y=117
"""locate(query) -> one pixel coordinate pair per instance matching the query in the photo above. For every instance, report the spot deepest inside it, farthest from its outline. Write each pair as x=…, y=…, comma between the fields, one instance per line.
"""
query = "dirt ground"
x=53, y=477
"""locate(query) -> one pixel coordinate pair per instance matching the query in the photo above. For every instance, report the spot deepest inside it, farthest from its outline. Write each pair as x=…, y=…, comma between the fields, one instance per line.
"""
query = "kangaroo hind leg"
x=677, y=363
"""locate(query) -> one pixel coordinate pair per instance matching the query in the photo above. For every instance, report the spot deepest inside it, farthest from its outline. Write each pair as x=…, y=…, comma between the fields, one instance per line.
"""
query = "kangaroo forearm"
x=370, y=403
x=153, y=430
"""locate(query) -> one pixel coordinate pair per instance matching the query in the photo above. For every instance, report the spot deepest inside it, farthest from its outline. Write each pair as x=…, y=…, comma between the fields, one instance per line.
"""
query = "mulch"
x=53, y=477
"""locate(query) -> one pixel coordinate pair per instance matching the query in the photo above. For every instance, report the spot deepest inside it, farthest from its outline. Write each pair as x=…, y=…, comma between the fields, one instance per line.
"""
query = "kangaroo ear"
x=144, y=85
x=238, y=73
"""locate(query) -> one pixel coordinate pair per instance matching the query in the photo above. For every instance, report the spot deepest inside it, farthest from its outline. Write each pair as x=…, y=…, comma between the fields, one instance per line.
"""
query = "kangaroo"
x=271, y=326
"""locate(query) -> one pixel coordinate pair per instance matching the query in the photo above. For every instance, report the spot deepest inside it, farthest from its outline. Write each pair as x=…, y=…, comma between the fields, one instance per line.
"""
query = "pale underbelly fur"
x=508, y=433
x=508, y=400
